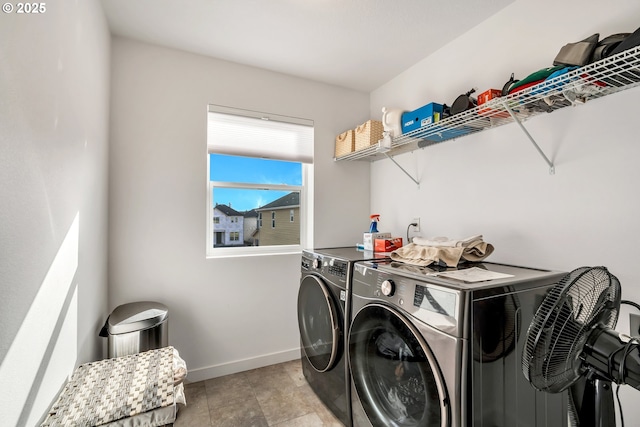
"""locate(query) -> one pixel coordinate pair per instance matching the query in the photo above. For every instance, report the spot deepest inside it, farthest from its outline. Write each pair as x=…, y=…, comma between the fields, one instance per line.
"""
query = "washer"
x=323, y=318
x=430, y=350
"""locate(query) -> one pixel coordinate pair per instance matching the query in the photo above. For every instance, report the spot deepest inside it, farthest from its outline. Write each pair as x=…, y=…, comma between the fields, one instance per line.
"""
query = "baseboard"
x=201, y=374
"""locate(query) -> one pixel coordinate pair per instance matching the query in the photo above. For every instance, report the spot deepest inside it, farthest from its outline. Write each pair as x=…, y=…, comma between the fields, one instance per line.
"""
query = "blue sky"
x=254, y=171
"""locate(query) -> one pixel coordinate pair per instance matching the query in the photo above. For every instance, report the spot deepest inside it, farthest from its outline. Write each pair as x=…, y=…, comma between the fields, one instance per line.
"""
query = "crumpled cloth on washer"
x=443, y=250
x=445, y=242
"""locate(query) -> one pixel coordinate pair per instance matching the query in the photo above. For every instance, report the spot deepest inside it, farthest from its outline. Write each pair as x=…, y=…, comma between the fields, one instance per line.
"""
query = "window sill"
x=251, y=251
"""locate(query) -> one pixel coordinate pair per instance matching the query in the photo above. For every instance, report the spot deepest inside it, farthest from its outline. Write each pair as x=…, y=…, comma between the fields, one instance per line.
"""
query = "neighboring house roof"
x=227, y=210
x=250, y=214
x=289, y=200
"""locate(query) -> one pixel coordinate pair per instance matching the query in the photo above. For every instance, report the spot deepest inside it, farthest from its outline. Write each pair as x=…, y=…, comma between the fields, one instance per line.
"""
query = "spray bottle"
x=374, y=223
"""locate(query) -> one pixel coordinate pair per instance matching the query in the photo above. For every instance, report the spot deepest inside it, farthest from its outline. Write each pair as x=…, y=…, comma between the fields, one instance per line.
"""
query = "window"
x=257, y=164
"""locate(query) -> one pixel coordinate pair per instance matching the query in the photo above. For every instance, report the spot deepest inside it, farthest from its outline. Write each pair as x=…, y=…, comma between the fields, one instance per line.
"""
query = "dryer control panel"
x=337, y=268
x=331, y=268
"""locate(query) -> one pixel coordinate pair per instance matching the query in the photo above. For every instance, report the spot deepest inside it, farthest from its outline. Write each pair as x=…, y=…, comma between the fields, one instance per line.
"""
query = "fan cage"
x=583, y=299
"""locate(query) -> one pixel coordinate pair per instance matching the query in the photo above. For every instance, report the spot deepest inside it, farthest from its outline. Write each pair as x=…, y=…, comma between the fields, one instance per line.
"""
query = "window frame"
x=305, y=189
x=305, y=212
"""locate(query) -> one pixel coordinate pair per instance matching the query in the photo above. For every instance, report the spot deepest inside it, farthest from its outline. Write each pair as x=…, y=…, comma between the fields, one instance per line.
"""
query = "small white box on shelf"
x=369, y=238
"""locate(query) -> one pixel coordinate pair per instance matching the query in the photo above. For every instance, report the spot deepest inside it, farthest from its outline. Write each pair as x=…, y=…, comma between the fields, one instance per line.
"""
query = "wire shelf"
x=605, y=77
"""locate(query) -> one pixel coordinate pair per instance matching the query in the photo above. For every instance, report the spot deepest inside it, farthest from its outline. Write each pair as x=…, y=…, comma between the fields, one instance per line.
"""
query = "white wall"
x=54, y=95
x=225, y=315
x=495, y=183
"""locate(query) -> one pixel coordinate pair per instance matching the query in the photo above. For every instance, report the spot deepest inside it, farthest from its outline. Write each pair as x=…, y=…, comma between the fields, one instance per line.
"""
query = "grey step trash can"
x=136, y=327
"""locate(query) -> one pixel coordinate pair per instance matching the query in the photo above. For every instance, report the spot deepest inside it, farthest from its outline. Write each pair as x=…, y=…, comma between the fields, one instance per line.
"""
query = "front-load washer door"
x=319, y=323
x=394, y=373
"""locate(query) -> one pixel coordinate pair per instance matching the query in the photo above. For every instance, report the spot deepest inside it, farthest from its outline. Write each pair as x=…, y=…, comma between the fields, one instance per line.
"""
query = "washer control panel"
x=436, y=305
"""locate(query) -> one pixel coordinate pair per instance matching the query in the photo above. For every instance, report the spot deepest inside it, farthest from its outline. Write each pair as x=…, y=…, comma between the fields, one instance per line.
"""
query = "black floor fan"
x=571, y=344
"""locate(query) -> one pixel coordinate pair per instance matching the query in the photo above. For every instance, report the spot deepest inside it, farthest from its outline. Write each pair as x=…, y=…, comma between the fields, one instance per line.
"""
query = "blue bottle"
x=373, y=228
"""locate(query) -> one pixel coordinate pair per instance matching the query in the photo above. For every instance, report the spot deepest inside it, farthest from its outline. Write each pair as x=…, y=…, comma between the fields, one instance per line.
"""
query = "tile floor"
x=276, y=395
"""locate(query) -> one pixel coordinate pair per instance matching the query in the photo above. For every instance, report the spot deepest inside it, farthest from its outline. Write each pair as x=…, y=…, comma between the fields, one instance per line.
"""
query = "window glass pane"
x=236, y=213
x=254, y=170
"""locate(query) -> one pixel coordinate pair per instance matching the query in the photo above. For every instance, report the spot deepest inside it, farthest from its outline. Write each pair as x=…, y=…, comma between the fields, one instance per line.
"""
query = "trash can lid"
x=136, y=316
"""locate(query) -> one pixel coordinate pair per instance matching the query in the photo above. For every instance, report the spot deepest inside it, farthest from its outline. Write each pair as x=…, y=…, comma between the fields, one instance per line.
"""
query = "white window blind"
x=247, y=133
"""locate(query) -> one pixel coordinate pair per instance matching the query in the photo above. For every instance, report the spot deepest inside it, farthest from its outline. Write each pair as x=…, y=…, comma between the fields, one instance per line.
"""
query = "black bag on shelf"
x=632, y=40
x=631, y=75
x=606, y=46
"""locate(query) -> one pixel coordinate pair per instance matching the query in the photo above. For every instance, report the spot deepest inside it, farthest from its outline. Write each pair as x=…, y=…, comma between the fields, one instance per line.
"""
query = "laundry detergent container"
x=136, y=327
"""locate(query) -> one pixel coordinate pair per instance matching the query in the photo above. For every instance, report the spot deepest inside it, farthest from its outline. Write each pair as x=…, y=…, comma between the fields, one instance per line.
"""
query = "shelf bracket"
x=552, y=168
x=402, y=169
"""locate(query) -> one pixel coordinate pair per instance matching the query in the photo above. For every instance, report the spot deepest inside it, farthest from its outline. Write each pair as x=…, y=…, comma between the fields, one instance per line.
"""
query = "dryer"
x=323, y=319
x=425, y=349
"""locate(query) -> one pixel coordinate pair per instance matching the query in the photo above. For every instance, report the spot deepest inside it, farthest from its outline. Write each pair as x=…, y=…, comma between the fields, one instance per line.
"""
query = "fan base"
x=591, y=403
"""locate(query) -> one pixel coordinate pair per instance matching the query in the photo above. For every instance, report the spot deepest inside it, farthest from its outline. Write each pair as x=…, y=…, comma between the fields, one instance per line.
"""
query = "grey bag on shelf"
x=578, y=53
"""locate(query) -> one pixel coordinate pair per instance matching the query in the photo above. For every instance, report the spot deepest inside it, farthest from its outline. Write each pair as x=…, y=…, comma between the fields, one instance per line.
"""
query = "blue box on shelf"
x=423, y=116
x=441, y=133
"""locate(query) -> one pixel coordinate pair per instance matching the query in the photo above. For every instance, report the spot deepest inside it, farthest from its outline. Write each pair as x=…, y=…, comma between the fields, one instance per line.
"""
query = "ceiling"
x=357, y=44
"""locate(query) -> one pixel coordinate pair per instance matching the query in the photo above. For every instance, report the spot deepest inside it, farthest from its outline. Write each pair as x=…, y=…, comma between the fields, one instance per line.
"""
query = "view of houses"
x=276, y=223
